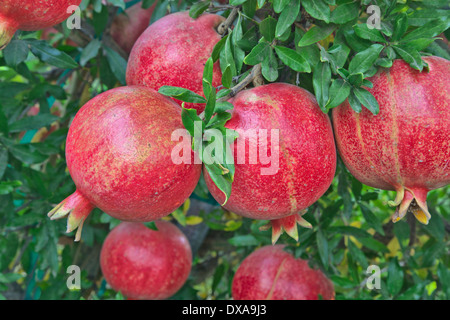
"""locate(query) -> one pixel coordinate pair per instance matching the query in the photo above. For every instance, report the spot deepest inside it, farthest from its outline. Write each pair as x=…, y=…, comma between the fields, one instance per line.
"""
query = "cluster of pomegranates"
x=119, y=146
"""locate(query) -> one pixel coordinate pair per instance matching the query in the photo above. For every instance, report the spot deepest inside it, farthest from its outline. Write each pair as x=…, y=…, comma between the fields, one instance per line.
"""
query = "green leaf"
x=279, y=5
x=317, y=9
x=227, y=58
x=218, y=48
x=309, y=53
x=410, y=55
x=363, y=31
x=192, y=122
x=322, y=246
x=338, y=92
x=363, y=60
x=356, y=79
x=395, y=276
x=420, y=17
x=208, y=76
x=400, y=26
x=243, y=241
x=33, y=122
x=269, y=67
x=267, y=28
x=372, y=219
x=50, y=55
x=27, y=153
x=351, y=231
x=238, y=53
x=316, y=34
x=357, y=254
x=237, y=2
x=210, y=104
x=321, y=83
x=198, y=8
x=227, y=77
x=287, y=17
x=258, y=54
x=3, y=161
x=220, y=181
x=117, y=64
x=90, y=51
x=292, y=59
x=222, y=106
x=367, y=100
x=428, y=30
x=15, y=52
x=182, y=94
x=345, y=12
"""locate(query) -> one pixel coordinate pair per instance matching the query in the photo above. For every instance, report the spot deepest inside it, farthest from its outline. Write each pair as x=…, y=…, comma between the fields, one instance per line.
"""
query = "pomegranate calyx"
x=414, y=201
x=77, y=208
x=287, y=224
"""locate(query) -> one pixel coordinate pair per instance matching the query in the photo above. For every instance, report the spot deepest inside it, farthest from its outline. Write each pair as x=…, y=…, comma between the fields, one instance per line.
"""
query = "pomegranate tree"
x=271, y=273
x=31, y=15
x=118, y=152
x=173, y=52
x=406, y=147
x=303, y=154
x=146, y=264
x=128, y=26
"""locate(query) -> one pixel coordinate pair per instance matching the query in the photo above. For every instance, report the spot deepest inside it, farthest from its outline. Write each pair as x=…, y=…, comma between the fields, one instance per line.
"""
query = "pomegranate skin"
x=31, y=15
x=127, y=27
x=145, y=264
x=307, y=156
x=118, y=153
x=173, y=52
x=406, y=147
x=270, y=273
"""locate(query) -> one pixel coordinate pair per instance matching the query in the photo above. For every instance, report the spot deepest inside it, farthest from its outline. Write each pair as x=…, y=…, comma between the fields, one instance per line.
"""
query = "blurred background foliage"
x=45, y=79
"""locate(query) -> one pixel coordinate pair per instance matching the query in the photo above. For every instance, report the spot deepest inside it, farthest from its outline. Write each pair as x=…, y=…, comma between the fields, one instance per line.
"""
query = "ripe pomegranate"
x=127, y=27
x=145, y=264
x=118, y=152
x=406, y=147
x=306, y=163
x=270, y=273
x=173, y=51
x=31, y=15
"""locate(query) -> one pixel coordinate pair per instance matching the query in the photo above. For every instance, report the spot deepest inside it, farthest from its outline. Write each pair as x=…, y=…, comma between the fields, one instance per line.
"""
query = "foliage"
x=325, y=46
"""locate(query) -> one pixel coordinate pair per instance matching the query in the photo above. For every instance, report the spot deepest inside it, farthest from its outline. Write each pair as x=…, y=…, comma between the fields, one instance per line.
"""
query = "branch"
x=255, y=74
x=223, y=27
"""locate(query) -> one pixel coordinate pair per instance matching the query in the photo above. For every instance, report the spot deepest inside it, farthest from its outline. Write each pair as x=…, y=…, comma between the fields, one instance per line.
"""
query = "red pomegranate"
x=406, y=147
x=270, y=273
x=128, y=26
x=118, y=152
x=173, y=51
x=304, y=156
x=145, y=264
x=31, y=15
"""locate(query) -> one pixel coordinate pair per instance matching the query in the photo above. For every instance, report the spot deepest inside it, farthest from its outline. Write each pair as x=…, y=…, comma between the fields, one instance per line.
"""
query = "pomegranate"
x=173, y=52
x=118, y=152
x=31, y=15
x=301, y=173
x=127, y=27
x=270, y=273
x=406, y=147
x=145, y=264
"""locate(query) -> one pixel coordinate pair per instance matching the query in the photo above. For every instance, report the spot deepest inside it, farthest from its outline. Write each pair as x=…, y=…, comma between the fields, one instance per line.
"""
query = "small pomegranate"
x=145, y=264
x=118, y=152
x=406, y=147
x=31, y=15
x=303, y=156
x=128, y=26
x=271, y=273
x=173, y=52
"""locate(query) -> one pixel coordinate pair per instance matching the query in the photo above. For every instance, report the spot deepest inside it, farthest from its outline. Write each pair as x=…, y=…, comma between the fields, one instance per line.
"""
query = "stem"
x=223, y=27
x=256, y=72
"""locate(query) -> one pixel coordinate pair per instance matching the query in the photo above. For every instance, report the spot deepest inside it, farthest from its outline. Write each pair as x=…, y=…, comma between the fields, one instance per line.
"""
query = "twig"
x=254, y=74
x=223, y=27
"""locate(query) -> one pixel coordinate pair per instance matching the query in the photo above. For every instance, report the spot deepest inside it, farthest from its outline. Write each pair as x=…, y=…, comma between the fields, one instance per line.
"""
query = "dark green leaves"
x=316, y=34
x=16, y=52
x=198, y=8
x=181, y=94
x=364, y=60
x=117, y=64
x=287, y=17
x=317, y=9
x=50, y=55
x=292, y=59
